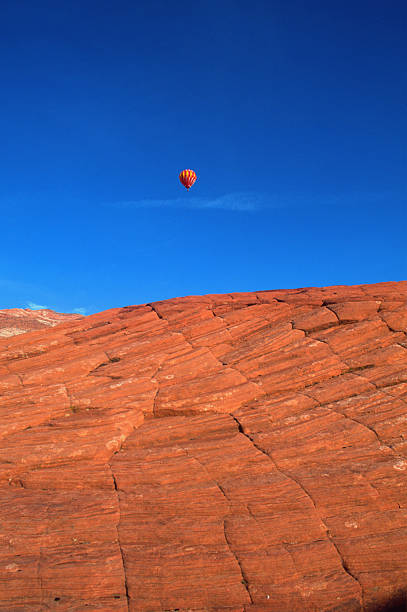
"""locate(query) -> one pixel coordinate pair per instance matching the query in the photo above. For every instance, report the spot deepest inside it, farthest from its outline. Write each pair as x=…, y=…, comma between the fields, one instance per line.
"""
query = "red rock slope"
x=242, y=452
x=16, y=321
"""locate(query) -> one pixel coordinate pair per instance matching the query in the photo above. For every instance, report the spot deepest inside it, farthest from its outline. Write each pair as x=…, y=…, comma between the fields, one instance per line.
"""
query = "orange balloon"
x=187, y=178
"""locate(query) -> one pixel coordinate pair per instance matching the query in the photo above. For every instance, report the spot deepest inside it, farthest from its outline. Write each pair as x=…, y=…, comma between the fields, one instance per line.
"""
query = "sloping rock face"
x=243, y=452
x=15, y=321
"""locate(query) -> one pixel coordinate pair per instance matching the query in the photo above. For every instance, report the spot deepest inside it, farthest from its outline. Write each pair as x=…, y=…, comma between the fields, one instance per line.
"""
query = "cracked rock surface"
x=239, y=452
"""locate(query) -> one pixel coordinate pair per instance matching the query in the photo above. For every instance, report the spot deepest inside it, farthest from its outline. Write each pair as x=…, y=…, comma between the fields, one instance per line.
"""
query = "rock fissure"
x=221, y=489
x=187, y=411
x=155, y=415
x=245, y=580
x=69, y=396
x=392, y=330
x=299, y=573
x=126, y=586
x=365, y=425
x=39, y=577
x=244, y=577
x=400, y=399
x=333, y=312
x=20, y=378
x=154, y=309
x=310, y=497
x=381, y=388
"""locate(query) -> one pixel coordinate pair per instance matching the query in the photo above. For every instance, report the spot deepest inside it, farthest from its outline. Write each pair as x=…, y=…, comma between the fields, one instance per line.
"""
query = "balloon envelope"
x=187, y=178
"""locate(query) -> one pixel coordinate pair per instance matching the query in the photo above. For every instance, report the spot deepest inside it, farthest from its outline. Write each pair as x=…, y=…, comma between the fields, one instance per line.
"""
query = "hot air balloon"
x=187, y=178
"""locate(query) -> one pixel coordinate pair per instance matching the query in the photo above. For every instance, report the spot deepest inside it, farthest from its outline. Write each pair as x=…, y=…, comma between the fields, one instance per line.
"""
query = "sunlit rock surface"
x=15, y=321
x=241, y=452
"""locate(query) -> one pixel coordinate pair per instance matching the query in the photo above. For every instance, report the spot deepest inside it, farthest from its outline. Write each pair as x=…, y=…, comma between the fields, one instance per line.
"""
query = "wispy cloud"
x=241, y=201
x=80, y=310
x=34, y=306
x=252, y=201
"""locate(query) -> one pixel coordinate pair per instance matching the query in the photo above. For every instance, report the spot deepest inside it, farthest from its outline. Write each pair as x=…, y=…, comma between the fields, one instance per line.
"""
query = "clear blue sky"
x=292, y=113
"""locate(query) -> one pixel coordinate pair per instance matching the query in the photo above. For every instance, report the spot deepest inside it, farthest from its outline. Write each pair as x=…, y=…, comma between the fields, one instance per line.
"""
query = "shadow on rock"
x=398, y=603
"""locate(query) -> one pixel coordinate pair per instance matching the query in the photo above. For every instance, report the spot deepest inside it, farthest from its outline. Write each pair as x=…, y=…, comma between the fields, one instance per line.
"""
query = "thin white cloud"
x=80, y=310
x=252, y=201
x=34, y=306
x=243, y=201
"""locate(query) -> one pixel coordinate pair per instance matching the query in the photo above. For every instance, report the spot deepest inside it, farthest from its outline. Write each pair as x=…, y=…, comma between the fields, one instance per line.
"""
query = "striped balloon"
x=187, y=178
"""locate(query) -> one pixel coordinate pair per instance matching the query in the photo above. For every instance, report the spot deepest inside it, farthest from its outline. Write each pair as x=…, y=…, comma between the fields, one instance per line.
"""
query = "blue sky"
x=292, y=113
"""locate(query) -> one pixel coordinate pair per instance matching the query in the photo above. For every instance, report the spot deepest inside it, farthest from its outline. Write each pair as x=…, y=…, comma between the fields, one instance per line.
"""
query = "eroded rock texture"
x=242, y=452
x=15, y=321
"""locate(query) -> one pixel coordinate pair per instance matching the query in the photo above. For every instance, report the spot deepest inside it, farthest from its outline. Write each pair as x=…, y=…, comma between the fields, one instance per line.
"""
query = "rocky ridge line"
x=15, y=321
x=225, y=452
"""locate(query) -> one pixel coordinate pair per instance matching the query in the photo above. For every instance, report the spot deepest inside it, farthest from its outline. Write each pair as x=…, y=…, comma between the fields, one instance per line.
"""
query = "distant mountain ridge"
x=15, y=321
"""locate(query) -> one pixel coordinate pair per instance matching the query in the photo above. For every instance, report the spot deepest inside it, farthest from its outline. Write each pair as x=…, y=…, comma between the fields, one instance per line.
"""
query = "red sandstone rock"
x=350, y=312
x=316, y=319
x=397, y=319
x=240, y=452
